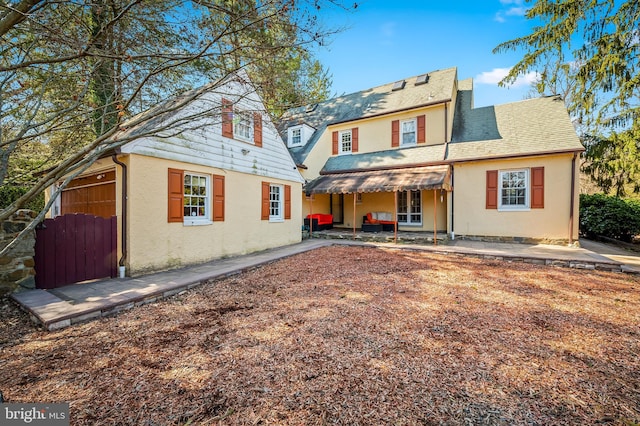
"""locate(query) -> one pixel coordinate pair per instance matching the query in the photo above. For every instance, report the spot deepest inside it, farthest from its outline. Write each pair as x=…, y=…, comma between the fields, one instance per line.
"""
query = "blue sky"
x=387, y=40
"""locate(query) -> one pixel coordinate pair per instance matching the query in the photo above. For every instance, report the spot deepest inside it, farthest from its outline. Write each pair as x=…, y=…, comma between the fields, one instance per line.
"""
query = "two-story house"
x=207, y=180
x=417, y=151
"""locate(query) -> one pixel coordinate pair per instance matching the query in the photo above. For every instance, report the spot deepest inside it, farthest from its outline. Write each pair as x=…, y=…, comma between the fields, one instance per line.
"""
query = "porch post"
x=435, y=222
x=395, y=217
x=354, y=215
x=310, y=216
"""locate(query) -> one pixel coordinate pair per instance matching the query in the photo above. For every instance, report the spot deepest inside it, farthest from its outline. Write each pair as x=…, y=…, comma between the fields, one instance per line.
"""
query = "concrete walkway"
x=64, y=306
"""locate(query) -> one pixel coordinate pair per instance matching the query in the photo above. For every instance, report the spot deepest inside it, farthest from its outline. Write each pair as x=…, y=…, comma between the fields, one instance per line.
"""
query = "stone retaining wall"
x=17, y=267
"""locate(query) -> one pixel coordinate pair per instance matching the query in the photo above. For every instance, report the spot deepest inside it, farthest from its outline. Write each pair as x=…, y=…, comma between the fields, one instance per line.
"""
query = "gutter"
x=121, y=262
x=451, y=162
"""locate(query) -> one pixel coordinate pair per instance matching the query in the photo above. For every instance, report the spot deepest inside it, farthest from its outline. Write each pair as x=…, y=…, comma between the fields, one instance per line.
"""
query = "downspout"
x=572, y=204
x=121, y=262
x=453, y=233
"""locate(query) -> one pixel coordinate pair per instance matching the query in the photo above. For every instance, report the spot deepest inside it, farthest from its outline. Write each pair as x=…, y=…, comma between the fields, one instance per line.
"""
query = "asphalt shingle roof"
x=532, y=126
x=403, y=157
x=529, y=127
x=368, y=103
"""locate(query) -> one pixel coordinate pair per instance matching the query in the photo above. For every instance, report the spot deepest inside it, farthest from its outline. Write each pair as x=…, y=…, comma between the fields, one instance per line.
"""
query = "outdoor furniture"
x=372, y=227
x=319, y=221
x=382, y=218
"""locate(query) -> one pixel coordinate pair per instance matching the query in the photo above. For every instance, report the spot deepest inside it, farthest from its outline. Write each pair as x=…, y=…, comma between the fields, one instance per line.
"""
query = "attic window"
x=398, y=85
x=294, y=136
x=422, y=79
x=310, y=108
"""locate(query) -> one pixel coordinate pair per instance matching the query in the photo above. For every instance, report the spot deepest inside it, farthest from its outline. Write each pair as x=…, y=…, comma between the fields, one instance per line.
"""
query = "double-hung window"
x=295, y=136
x=243, y=125
x=275, y=202
x=196, y=197
x=408, y=128
x=345, y=142
x=513, y=189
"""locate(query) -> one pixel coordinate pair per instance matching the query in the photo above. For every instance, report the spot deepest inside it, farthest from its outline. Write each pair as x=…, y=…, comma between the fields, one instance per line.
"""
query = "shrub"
x=607, y=216
x=10, y=193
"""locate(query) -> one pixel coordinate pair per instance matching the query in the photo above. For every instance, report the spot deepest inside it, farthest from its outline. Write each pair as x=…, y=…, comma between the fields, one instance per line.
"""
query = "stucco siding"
x=155, y=244
x=471, y=217
x=374, y=135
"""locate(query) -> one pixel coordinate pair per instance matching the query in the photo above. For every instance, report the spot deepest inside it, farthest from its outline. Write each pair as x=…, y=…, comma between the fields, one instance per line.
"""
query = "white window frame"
x=414, y=132
x=243, y=125
x=276, y=203
x=292, y=139
x=341, y=135
x=413, y=207
x=189, y=198
x=527, y=190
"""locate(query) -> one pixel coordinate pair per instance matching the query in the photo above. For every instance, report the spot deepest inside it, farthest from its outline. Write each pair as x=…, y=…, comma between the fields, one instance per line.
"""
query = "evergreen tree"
x=590, y=49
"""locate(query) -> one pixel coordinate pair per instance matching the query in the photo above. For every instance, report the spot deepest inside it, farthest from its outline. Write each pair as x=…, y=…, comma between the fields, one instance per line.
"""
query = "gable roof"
x=528, y=127
x=191, y=132
x=439, y=87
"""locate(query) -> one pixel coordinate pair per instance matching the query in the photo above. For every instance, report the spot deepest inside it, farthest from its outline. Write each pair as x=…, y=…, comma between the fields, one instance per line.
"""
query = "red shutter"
x=537, y=187
x=334, y=140
x=492, y=189
x=354, y=139
x=176, y=194
x=218, y=198
x=257, y=128
x=395, y=133
x=265, y=200
x=227, y=118
x=422, y=134
x=287, y=201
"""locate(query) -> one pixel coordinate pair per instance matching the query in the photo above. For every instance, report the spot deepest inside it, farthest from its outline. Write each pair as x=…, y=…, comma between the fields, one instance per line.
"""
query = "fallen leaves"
x=350, y=335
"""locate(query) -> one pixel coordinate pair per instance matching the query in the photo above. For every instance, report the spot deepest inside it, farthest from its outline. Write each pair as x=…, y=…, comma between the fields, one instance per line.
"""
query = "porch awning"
x=391, y=180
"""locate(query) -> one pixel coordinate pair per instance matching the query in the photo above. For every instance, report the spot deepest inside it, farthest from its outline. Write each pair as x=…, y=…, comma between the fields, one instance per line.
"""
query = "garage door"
x=94, y=195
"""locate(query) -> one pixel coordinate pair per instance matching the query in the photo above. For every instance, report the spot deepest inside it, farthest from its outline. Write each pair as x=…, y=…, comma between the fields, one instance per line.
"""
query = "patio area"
x=404, y=237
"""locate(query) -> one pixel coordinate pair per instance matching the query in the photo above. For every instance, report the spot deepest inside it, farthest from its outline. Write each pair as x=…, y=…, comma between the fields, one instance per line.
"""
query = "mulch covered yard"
x=350, y=335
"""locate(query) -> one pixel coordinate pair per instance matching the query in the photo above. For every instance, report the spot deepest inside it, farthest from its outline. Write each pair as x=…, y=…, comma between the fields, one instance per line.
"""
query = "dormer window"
x=295, y=136
x=299, y=135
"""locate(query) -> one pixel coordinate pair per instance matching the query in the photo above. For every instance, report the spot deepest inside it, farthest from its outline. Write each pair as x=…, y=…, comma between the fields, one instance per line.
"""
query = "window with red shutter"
x=287, y=201
x=227, y=118
x=537, y=187
x=257, y=129
x=395, y=133
x=422, y=134
x=218, y=198
x=492, y=189
x=176, y=194
x=265, y=201
x=354, y=139
x=334, y=143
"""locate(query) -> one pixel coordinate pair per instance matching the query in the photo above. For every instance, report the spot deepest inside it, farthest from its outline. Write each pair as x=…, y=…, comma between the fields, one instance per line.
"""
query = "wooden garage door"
x=94, y=195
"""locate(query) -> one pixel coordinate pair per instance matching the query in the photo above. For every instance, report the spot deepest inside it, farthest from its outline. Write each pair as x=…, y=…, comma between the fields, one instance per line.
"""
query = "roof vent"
x=422, y=79
x=398, y=85
x=310, y=108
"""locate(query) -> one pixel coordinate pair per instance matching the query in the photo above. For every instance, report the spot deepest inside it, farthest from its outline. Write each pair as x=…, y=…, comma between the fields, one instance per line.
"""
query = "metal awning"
x=390, y=180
